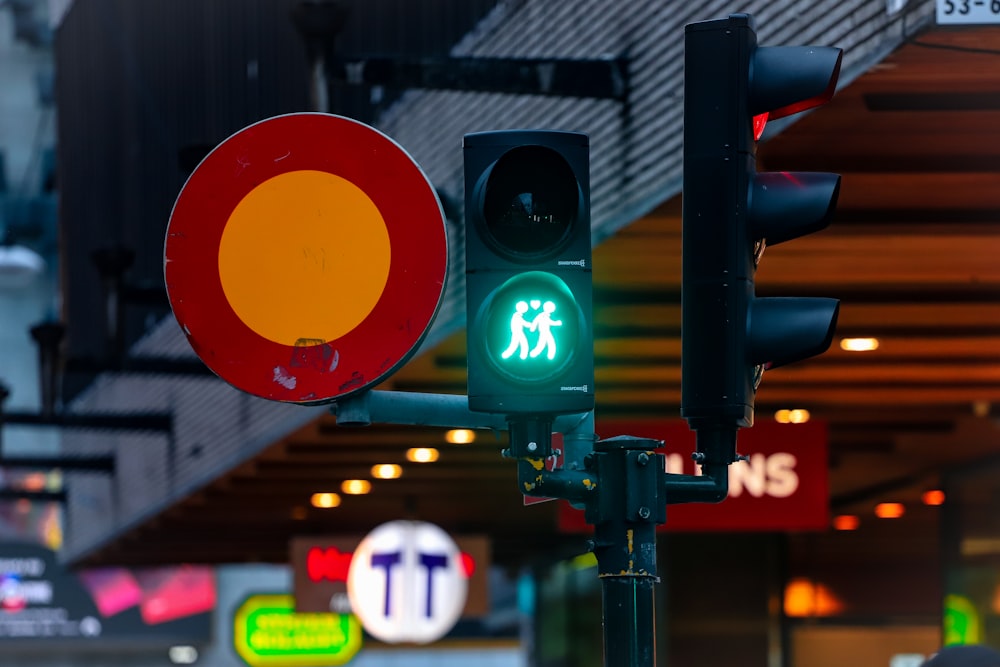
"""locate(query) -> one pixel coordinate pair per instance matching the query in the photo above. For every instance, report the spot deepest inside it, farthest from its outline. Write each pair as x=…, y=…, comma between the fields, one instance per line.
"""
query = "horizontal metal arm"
x=420, y=409
x=534, y=480
x=707, y=488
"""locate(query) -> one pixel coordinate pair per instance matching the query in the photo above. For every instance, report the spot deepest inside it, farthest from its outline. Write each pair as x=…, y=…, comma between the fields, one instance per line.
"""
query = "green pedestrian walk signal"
x=528, y=272
x=532, y=326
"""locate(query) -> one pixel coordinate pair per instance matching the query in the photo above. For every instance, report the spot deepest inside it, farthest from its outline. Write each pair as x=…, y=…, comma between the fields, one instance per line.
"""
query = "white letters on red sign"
x=771, y=475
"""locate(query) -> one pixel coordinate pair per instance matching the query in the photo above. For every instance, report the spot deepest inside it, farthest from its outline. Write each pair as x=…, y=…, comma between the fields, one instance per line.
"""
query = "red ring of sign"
x=386, y=338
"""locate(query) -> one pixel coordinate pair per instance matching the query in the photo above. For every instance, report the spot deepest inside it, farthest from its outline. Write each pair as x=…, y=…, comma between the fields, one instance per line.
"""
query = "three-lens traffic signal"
x=528, y=272
x=731, y=212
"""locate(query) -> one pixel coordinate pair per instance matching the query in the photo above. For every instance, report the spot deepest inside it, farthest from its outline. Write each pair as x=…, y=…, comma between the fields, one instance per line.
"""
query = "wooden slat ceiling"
x=914, y=255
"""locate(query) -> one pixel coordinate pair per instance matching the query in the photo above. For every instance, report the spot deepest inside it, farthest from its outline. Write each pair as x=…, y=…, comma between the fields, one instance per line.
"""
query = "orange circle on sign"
x=314, y=281
x=306, y=258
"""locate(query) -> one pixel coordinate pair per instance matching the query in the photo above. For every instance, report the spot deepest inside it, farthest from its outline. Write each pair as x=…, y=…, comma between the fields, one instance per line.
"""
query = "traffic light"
x=730, y=212
x=528, y=272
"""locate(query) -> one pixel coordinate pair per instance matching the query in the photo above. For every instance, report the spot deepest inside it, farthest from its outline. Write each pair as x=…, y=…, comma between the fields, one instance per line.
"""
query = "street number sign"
x=951, y=12
x=306, y=258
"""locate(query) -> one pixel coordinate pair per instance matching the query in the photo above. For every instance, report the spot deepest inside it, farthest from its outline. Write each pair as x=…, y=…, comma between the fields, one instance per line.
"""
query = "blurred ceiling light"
x=889, y=510
x=859, y=344
x=356, y=487
x=325, y=500
x=422, y=455
x=386, y=471
x=19, y=266
x=460, y=436
x=933, y=497
x=846, y=522
x=794, y=416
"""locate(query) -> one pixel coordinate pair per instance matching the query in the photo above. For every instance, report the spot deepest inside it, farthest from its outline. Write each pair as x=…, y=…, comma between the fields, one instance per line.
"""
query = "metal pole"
x=629, y=621
x=629, y=505
x=446, y=410
x=319, y=22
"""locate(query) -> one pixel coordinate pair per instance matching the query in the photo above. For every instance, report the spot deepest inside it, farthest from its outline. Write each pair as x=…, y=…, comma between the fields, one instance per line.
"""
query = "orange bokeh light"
x=805, y=598
x=356, y=487
x=934, y=497
x=846, y=522
x=889, y=510
x=325, y=500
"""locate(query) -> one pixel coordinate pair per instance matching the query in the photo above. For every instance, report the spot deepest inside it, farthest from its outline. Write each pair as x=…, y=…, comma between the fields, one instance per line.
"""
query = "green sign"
x=962, y=622
x=532, y=326
x=268, y=633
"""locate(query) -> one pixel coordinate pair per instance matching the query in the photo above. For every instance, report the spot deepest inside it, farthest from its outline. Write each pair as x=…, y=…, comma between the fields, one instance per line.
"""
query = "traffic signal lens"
x=531, y=202
x=532, y=327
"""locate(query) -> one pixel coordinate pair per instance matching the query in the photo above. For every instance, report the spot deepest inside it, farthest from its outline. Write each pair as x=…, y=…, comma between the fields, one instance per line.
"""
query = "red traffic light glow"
x=759, y=123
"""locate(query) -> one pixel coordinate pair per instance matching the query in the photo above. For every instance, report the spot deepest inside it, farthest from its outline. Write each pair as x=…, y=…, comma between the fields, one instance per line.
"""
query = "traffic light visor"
x=781, y=330
x=785, y=80
x=530, y=203
x=786, y=204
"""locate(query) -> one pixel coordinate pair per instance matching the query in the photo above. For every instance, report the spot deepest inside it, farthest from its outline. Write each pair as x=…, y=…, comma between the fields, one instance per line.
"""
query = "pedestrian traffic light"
x=528, y=272
x=730, y=212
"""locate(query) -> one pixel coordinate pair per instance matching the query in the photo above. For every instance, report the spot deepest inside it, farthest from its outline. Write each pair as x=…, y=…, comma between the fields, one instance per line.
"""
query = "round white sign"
x=407, y=582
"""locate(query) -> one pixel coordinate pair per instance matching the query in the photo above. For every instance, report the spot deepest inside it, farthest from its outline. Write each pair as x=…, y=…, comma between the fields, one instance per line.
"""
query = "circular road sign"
x=407, y=582
x=306, y=258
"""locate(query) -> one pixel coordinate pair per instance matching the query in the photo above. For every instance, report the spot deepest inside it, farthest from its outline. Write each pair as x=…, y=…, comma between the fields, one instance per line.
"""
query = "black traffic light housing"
x=528, y=272
x=730, y=212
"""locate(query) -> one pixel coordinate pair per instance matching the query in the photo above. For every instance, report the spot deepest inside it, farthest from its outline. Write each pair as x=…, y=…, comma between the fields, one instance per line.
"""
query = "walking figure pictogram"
x=543, y=323
x=518, y=337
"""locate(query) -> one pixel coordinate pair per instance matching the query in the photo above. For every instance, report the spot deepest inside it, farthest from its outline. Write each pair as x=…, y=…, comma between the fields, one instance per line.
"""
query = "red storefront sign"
x=783, y=486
